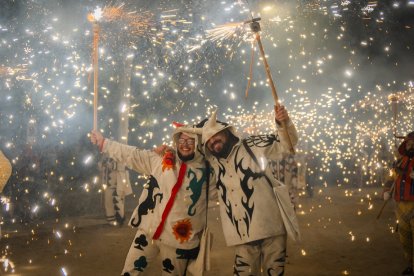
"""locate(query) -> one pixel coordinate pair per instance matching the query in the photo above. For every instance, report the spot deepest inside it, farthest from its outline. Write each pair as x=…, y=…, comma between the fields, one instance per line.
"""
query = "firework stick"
x=250, y=72
x=272, y=85
x=385, y=202
x=95, y=74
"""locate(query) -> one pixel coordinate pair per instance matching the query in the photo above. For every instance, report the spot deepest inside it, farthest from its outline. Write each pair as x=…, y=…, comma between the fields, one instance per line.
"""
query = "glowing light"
x=267, y=8
x=97, y=14
x=88, y=159
x=64, y=273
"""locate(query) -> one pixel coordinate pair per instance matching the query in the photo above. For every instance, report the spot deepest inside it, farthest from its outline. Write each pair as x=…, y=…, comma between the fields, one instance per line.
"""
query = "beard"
x=224, y=152
x=226, y=149
x=186, y=158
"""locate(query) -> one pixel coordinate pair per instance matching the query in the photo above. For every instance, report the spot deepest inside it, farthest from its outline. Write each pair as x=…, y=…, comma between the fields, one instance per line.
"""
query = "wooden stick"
x=385, y=202
x=272, y=85
x=250, y=72
x=95, y=74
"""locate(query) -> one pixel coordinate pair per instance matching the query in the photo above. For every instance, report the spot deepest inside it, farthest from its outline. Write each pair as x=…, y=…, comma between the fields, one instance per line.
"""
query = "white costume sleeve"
x=141, y=161
x=277, y=150
x=283, y=135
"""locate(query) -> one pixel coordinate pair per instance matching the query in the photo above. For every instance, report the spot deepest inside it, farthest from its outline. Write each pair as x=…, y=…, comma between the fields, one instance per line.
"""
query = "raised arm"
x=141, y=161
x=281, y=115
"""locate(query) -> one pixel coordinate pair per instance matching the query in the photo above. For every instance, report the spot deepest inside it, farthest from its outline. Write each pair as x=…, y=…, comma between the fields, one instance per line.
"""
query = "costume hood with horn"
x=248, y=208
x=212, y=127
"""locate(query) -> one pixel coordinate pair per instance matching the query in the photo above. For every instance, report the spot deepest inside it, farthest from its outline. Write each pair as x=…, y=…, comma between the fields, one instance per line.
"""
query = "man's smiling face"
x=185, y=146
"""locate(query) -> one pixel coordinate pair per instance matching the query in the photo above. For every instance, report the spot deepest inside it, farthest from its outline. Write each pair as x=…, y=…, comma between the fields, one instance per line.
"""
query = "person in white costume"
x=115, y=180
x=250, y=215
x=171, y=213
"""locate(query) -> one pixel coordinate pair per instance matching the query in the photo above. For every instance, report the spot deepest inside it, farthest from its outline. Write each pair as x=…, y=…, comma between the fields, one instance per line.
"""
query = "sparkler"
x=385, y=202
x=255, y=28
x=94, y=19
x=229, y=31
x=142, y=24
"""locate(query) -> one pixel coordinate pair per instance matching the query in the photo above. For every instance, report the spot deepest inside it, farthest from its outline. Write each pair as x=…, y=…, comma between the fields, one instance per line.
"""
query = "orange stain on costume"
x=168, y=160
x=182, y=230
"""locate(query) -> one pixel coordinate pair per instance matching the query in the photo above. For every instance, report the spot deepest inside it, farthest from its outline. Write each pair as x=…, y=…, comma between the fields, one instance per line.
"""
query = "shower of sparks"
x=138, y=23
x=8, y=71
x=178, y=65
x=8, y=266
x=226, y=31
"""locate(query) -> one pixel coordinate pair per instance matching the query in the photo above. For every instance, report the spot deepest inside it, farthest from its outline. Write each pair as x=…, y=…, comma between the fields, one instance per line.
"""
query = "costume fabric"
x=115, y=179
x=248, y=208
x=184, y=223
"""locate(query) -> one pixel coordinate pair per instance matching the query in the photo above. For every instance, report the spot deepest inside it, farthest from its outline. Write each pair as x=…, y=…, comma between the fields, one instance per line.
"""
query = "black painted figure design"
x=149, y=203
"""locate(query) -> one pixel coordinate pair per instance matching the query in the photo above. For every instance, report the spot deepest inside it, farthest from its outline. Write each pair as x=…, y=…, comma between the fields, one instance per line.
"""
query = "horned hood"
x=212, y=126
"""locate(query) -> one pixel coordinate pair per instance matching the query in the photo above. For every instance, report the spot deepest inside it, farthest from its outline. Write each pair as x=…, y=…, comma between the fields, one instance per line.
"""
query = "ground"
x=340, y=236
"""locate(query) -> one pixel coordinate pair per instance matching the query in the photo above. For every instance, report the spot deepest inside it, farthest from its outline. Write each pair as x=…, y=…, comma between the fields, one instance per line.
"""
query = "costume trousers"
x=144, y=250
x=405, y=216
x=262, y=257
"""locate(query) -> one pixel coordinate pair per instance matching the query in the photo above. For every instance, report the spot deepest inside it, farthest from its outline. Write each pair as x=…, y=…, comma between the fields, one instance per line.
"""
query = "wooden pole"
x=250, y=72
x=95, y=74
x=273, y=87
x=385, y=202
